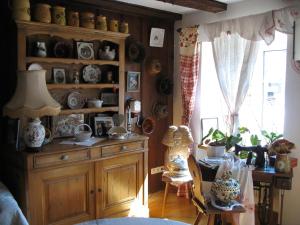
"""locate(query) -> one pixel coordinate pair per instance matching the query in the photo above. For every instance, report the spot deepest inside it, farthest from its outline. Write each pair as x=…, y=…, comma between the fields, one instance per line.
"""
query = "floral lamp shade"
x=31, y=98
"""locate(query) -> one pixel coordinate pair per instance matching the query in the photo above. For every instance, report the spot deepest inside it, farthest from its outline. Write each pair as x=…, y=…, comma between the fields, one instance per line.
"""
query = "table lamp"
x=32, y=99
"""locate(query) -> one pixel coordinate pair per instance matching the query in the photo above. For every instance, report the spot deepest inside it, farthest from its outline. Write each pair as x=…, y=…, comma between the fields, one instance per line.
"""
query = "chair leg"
x=165, y=199
x=211, y=219
x=199, y=216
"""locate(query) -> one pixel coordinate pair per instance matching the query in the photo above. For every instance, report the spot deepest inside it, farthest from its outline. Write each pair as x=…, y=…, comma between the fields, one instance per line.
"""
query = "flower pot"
x=216, y=151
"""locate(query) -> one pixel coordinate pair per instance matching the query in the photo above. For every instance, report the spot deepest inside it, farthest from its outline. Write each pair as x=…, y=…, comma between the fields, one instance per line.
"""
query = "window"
x=263, y=107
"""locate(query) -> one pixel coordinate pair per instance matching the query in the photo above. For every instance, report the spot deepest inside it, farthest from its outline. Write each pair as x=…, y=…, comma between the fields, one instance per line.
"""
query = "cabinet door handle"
x=92, y=192
x=64, y=157
x=99, y=189
x=123, y=148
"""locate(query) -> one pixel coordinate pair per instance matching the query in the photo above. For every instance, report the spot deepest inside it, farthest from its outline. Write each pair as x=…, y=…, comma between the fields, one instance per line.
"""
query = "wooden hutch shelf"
x=81, y=86
x=70, y=61
x=88, y=110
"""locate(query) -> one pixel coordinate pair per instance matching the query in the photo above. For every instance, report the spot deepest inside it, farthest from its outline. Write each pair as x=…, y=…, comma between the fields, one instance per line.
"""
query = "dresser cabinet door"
x=62, y=196
x=119, y=184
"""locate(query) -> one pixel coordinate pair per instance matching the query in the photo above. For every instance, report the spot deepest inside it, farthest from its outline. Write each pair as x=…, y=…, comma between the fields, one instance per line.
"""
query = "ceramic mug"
x=87, y=20
x=73, y=19
x=42, y=13
x=101, y=23
x=59, y=15
x=114, y=26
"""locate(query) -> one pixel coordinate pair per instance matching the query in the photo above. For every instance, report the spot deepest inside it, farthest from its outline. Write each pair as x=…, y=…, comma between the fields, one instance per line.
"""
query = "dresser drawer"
x=126, y=147
x=60, y=158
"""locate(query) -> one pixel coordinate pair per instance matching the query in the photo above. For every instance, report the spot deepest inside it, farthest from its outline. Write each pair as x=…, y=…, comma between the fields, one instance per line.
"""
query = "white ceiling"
x=168, y=6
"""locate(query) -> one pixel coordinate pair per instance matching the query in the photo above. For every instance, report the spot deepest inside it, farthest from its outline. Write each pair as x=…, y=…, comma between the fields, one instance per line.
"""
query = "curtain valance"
x=255, y=27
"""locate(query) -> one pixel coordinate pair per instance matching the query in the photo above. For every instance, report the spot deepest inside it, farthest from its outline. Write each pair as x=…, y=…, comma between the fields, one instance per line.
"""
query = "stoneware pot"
x=226, y=189
x=73, y=19
x=20, y=10
x=87, y=20
x=34, y=134
x=282, y=163
x=124, y=27
x=114, y=25
x=59, y=15
x=42, y=13
x=101, y=23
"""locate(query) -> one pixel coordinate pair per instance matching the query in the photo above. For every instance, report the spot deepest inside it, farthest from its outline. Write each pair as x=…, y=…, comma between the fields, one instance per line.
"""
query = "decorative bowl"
x=117, y=132
x=82, y=135
x=94, y=103
x=226, y=189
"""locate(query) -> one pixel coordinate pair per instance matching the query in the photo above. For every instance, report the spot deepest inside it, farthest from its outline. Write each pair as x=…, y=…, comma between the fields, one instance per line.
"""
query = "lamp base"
x=34, y=135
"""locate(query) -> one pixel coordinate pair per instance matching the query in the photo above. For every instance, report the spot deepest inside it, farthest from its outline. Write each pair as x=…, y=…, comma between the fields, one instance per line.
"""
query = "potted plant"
x=218, y=141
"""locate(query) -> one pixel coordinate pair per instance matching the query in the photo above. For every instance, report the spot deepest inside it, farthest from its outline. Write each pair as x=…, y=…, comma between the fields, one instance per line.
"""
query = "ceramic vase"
x=282, y=163
x=34, y=134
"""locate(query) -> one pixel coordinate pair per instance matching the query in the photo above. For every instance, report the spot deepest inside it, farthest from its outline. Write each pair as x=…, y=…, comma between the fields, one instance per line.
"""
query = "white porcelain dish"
x=91, y=74
x=75, y=100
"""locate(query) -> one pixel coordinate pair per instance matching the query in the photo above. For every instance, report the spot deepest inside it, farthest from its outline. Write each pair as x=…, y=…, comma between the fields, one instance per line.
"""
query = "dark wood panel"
x=205, y=5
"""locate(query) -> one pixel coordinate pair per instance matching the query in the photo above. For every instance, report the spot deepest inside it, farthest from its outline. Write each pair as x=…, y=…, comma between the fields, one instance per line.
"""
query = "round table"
x=132, y=221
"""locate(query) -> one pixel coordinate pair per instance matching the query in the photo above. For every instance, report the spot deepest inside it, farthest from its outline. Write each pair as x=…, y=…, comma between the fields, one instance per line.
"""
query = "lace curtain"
x=235, y=45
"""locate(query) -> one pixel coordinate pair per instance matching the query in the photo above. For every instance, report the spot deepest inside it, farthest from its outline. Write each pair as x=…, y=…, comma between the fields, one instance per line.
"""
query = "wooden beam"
x=205, y=5
x=124, y=8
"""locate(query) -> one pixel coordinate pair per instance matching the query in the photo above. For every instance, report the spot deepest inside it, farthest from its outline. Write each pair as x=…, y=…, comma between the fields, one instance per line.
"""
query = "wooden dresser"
x=68, y=184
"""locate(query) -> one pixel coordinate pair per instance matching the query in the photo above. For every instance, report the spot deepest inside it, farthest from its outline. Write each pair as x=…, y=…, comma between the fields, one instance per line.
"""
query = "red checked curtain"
x=189, y=70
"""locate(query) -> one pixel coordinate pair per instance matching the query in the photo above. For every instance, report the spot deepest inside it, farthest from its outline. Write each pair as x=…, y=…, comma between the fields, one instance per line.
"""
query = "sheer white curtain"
x=234, y=58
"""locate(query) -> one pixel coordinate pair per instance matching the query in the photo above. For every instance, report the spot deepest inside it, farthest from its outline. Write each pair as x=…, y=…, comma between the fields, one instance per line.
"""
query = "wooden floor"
x=177, y=208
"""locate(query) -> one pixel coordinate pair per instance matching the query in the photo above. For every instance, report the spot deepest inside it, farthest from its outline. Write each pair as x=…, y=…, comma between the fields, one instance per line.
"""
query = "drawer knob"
x=99, y=189
x=64, y=157
x=123, y=148
x=92, y=192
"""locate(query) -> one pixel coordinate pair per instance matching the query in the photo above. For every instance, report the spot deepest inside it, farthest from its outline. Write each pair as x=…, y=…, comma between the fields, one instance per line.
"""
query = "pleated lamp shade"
x=31, y=98
x=177, y=136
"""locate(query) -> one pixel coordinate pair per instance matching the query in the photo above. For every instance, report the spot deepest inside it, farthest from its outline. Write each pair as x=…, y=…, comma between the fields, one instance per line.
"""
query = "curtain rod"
x=179, y=29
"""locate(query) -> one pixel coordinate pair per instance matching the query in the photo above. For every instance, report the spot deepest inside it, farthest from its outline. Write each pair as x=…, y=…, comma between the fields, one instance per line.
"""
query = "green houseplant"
x=219, y=141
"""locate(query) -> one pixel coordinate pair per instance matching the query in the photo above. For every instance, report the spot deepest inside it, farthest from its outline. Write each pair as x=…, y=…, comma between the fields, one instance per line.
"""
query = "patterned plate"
x=91, y=74
x=75, y=100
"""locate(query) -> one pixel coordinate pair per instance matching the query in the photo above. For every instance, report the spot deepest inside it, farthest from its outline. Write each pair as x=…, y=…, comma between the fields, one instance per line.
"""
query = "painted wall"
x=292, y=105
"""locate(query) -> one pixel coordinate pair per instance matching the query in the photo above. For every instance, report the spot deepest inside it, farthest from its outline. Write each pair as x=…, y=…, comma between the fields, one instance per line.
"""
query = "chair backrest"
x=195, y=172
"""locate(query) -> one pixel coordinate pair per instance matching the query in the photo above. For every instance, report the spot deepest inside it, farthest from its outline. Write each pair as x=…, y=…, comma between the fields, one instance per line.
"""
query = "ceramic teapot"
x=107, y=54
x=226, y=189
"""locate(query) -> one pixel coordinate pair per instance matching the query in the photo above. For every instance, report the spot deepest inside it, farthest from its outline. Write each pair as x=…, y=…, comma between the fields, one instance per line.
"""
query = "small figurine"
x=76, y=77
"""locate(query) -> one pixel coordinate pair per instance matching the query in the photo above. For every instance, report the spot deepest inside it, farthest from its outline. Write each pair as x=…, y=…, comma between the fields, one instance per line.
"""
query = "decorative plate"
x=91, y=74
x=75, y=100
x=85, y=50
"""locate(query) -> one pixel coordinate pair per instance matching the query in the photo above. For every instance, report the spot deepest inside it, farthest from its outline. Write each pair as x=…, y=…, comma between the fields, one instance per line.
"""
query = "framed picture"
x=102, y=125
x=157, y=37
x=133, y=81
x=85, y=50
x=63, y=126
x=109, y=99
x=59, y=75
